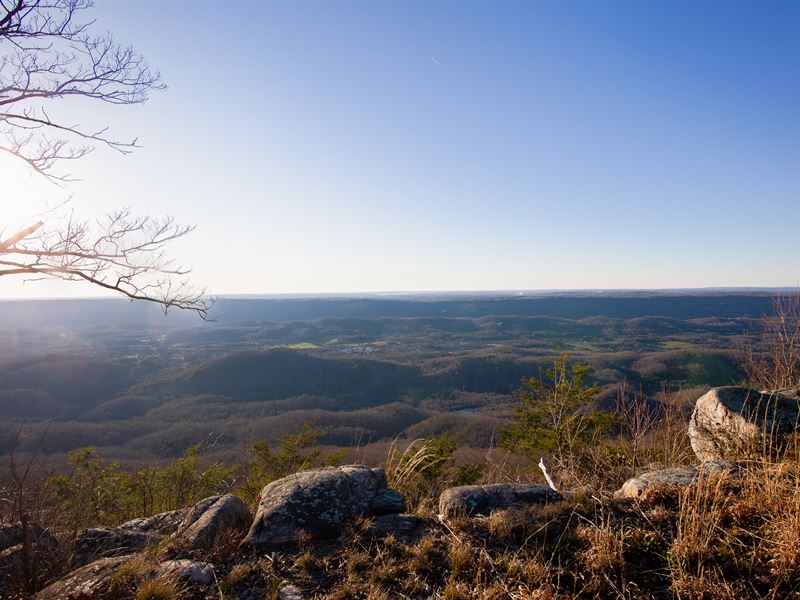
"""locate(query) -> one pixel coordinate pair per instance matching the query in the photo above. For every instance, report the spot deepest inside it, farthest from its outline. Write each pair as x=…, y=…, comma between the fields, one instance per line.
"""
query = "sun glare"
x=23, y=194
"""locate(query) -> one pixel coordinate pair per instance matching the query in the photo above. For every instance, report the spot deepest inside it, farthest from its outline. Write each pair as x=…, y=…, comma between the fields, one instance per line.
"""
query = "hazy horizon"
x=443, y=293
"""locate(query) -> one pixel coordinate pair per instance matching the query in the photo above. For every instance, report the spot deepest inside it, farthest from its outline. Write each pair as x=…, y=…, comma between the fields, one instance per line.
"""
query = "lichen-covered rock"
x=189, y=570
x=90, y=582
x=101, y=542
x=470, y=500
x=680, y=477
x=162, y=523
x=737, y=422
x=318, y=503
x=212, y=518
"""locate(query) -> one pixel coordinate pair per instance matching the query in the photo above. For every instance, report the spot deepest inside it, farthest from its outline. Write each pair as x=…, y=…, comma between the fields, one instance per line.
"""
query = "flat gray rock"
x=681, y=477
x=470, y=500
x=317, y=503
x=731, y=422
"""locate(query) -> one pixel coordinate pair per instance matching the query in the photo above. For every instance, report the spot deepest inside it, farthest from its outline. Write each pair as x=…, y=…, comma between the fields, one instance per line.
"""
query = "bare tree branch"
x=121, y=252
x=48, y=54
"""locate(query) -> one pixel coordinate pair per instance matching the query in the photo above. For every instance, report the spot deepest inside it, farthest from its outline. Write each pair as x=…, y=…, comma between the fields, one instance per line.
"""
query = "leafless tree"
x=48, y=54
x=638, y=419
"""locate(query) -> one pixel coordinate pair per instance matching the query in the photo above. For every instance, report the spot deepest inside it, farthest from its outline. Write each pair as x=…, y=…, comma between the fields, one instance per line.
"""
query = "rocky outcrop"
x=318, y=503
x=737, y=422
x=90, y=582
x=101, y=542
x=196, y=526
x=470, y=500
x=163, y=523
x=680, y=477
x=211, y=519
x=131, y=536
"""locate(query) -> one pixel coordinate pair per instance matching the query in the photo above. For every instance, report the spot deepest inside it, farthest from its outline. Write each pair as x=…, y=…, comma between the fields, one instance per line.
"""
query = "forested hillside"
x=135, y=384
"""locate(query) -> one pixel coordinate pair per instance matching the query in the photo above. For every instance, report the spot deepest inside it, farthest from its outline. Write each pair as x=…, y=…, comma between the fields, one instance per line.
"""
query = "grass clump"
x=168, y=588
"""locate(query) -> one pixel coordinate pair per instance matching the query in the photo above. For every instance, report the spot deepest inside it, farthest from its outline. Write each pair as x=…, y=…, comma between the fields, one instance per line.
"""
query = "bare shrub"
x=772, y=359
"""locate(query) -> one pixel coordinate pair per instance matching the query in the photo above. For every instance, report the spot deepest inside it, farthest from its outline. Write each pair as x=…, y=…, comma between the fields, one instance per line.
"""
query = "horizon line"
x=471, y=292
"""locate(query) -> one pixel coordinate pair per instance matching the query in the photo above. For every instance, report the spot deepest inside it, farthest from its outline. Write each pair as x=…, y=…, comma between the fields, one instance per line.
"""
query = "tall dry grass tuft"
x=167, y=588
x=700, y=514
x=605, y=547
x=402, y=467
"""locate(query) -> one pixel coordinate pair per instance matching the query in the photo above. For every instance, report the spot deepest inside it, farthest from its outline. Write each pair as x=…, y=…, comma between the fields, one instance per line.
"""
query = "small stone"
x=290, y=592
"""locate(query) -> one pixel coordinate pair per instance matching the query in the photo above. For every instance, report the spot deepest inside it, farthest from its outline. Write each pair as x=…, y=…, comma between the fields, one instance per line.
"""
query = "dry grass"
x=168, y=588
x=605, y=547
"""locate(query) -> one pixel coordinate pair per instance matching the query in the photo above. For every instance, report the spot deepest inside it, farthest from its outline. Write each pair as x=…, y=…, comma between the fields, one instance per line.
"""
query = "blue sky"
x=335, y=147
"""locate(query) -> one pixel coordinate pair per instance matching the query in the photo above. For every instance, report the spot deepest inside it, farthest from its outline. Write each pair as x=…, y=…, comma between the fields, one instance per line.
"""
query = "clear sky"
x=335, y=147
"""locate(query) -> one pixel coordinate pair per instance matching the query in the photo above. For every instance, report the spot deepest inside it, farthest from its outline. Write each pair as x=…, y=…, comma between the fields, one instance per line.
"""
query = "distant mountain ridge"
x=680, y=305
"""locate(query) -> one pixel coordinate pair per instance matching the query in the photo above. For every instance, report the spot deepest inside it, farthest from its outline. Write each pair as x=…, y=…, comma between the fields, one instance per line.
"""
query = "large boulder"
x=677, y=477
x=737, y=422
x=470, y=500
x=318, y=503
x=211, y=519
x=90, y=582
